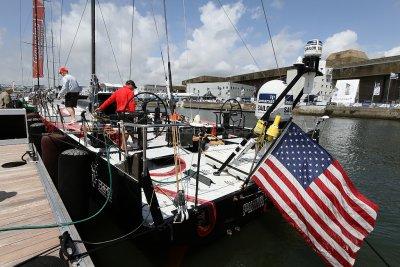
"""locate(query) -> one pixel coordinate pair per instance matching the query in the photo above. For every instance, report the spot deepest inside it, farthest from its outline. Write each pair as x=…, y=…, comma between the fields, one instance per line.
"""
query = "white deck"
x=228, y=182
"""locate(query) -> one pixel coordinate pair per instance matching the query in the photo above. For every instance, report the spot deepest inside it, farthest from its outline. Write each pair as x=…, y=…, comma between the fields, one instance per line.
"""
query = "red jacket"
x=121, y=96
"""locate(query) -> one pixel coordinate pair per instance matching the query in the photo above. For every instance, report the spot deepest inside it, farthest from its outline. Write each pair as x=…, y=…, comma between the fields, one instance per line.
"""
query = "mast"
x=37, y=43
x=94, y=81
x=52, y=45
x=93, y=30
x=169, y=62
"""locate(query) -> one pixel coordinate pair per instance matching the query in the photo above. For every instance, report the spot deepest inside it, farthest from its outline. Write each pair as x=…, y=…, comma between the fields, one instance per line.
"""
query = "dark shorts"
x=71, y=99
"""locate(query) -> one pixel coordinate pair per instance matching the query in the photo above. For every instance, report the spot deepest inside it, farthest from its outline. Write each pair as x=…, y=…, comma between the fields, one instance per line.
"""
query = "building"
x=323, y=87
x=341, y=58
x=221, y=91
x=153, y=88
x=344, y=65
x=372, y=73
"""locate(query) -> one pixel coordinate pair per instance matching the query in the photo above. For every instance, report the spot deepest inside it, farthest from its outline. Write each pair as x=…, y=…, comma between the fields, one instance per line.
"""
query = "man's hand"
x=97, y=110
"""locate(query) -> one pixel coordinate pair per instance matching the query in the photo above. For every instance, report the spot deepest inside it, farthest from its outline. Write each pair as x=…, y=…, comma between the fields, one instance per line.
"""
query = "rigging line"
x=187, y=54
x=47, y=53
x=109, y=40
x=59, y=42
x=240, y=36
x=166, y=30
x=159, y=40
x=76, y=32
x=270, y=36
x=52, y=43
x=130, y=57
x=27, y=20
x=125, y=235
x=186, y=39
x=169, y=84
x=20, y=41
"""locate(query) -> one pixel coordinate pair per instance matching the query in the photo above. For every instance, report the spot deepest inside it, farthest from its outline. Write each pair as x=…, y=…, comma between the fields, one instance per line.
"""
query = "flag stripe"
x=315, y=195
x=312, y=226
x=293, y=219
x=318, y=206
x=303, y=200
x=350, y=201
x=343, y=201
x=343, y=209
x=316, y=192
x=371, y=207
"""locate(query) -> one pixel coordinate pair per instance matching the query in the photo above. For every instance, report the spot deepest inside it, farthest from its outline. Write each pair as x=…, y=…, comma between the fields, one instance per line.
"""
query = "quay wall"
x=216, y=106
x=353, y=112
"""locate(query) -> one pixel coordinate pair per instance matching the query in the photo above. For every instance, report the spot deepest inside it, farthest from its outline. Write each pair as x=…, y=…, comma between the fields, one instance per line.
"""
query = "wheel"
x=153, y=108
x=235, y=112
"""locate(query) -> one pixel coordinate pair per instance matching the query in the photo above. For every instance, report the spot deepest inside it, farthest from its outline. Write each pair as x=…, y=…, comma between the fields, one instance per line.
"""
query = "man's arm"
x=131, y=104
x=106, y=103
x=7, y=100
x=64, y=87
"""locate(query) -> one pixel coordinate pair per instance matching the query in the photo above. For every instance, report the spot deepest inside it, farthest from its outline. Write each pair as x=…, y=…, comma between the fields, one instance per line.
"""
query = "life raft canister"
x=207, y=219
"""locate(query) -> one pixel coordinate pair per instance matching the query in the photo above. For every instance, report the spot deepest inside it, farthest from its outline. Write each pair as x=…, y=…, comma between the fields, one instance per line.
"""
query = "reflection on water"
x=369, y=151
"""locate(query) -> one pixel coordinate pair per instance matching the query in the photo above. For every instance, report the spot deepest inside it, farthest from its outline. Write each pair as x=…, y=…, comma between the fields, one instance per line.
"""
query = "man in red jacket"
x=123, y=97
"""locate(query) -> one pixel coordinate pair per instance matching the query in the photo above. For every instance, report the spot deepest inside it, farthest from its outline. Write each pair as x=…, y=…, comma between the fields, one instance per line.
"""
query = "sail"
x=37, y=38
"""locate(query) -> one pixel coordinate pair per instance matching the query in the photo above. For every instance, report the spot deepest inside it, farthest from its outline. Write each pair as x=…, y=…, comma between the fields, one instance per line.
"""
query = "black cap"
x=130, y=82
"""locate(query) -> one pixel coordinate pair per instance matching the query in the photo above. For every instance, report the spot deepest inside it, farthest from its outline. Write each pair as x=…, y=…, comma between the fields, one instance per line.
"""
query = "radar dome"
x=267, y=95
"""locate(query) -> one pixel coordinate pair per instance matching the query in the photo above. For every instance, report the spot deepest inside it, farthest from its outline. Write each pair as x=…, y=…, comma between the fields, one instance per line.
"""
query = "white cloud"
x=215, y=48
x=395, y=51
x=2, y=33
x=145, y=67
x=277, y=3
x=256, y=13
x=340, y=41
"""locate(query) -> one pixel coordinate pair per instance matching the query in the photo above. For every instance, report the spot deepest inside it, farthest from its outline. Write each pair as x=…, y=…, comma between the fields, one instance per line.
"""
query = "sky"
x=202, y=39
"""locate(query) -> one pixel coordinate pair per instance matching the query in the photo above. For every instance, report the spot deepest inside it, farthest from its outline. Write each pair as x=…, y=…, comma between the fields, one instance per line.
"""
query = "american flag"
x=315, y=195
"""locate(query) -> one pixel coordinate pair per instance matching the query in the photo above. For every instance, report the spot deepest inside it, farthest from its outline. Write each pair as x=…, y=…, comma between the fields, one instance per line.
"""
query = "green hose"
x=26, y=227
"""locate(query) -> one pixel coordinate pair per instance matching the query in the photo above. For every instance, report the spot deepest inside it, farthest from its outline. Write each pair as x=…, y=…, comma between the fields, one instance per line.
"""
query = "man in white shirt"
x=5, y=98
x=71, y=89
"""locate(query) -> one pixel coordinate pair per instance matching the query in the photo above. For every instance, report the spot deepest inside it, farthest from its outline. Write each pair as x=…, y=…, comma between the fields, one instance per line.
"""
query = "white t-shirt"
x=69, y=84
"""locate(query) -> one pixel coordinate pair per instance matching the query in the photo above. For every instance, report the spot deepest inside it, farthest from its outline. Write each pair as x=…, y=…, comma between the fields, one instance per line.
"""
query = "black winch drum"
x=32, y=115
x=33, y=120
x=53, y=144
x=74, y=180
x=35, y=135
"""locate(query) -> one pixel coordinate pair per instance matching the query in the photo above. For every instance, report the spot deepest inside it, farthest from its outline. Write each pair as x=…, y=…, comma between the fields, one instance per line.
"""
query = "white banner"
x=377, y=89
x=394, y=76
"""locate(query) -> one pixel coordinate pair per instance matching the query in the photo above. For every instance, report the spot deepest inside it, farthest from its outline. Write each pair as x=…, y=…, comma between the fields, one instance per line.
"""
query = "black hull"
x=206, y=223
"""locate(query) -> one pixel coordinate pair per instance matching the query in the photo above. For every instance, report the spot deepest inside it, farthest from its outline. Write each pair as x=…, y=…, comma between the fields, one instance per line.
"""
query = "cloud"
x=277, y=3
x=2, y=33
x=395, y=51
x=215, y=48
x=144, y=44
x=256, y=13
x=340, y=41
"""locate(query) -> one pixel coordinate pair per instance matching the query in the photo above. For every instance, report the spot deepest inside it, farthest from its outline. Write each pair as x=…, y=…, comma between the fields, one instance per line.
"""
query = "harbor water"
x=369, y=151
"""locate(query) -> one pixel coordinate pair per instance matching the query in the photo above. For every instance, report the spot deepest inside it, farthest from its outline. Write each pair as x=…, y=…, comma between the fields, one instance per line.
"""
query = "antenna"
x=309, y=64
x=169, y=84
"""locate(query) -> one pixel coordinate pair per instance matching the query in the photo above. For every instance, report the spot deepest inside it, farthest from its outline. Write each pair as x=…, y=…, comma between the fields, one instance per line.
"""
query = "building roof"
x=345, y=57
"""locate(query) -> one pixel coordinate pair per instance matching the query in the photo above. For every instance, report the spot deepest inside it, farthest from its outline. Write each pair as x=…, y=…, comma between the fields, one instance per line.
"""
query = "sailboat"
x=158, y=175
x=168, y=180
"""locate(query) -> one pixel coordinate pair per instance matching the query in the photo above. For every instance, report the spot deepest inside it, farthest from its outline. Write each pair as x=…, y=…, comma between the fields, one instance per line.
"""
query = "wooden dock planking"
x=27, y=203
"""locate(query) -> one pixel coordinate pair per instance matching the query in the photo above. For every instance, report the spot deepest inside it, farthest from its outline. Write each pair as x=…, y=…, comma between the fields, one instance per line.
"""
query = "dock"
x=369, y=112
x=28, y=197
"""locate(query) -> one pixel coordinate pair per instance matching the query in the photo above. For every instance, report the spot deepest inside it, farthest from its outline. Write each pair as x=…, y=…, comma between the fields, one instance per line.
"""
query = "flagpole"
x=373, y=93
x=387, y=97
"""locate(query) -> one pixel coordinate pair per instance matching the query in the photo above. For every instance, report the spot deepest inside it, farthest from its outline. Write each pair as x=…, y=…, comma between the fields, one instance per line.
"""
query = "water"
x=369, y=151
